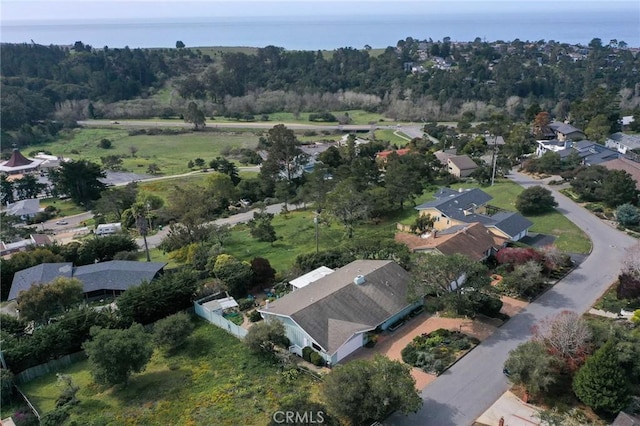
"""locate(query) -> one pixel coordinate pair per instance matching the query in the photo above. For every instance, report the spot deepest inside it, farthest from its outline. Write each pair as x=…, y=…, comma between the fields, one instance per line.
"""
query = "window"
x=316, y=347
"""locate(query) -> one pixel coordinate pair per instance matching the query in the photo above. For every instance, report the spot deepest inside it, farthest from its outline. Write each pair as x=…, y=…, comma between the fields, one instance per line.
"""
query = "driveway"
x=460, y=395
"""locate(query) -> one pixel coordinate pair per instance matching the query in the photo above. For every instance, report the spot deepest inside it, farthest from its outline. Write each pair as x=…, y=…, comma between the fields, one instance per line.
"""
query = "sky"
x=27, y=11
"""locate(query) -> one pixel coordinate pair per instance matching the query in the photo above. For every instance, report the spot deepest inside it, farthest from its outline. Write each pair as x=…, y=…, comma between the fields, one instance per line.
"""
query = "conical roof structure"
x=17, y=159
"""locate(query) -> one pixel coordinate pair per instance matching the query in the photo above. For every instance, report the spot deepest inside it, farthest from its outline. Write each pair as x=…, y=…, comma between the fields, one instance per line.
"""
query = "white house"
x=623, y=142
x=334, y=314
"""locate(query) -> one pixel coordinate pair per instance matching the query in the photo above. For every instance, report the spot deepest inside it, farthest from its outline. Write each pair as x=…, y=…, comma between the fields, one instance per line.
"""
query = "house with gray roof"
x=106, y=278
x=461, y=166
x=24, y=209
x=453, y=208
x=623, y=142
x=334, y=314
x=564, y=131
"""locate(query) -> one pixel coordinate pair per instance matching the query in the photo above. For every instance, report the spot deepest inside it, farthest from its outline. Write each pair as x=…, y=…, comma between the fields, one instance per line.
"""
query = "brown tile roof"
x=400, y=152
x=628, y=166
x=474, y=241
x=17, y=160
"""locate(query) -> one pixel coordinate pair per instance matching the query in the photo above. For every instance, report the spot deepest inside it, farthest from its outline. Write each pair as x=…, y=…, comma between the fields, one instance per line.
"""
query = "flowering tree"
x=566, y=336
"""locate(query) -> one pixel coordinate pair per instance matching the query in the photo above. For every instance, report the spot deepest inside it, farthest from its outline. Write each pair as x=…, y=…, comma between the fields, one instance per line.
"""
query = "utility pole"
x=315, y=220
x=494, y=160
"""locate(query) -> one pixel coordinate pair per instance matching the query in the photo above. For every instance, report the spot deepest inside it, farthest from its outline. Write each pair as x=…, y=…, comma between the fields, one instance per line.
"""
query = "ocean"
x=331, y=32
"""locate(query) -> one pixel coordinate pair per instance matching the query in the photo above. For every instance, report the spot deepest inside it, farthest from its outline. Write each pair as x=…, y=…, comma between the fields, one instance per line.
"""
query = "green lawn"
x=170, y=152
x=212, y=380
x=390, y=135
x=296, y=235
x=65, y=207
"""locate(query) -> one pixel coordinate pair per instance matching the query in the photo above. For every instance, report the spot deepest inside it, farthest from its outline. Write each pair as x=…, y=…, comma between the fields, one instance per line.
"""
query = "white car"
x=62, y=222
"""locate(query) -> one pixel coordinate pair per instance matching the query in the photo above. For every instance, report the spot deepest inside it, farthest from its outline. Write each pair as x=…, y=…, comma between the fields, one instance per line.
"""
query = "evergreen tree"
x=601, y=383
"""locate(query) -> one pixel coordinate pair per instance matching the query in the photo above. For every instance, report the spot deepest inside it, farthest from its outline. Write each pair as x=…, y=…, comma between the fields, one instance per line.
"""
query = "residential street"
x=465, y=391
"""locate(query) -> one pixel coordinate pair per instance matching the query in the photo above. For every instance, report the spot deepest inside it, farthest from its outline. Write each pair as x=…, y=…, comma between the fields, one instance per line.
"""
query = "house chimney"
x=358, y=280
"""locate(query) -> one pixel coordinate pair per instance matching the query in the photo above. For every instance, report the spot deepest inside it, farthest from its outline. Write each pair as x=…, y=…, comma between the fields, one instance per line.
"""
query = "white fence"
x=219, y=321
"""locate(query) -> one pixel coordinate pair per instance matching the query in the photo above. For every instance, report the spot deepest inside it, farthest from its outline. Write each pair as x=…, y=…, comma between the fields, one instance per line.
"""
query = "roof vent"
x=358, y=280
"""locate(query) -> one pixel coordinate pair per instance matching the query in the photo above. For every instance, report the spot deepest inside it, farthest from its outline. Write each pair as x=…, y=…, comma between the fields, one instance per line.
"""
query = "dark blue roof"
x=453, y=204
x=113, y=275
x=511, y=223
x=43, y=273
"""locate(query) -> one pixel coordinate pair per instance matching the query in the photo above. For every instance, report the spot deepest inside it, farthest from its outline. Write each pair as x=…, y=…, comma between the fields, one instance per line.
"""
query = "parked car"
x=62, y=222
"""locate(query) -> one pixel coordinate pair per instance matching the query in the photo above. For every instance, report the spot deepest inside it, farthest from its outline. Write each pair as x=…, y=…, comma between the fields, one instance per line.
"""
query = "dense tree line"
x=505, y=76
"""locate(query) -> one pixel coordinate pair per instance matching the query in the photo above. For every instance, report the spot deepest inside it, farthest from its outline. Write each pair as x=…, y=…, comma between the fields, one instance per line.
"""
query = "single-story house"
x=34, y=240
x=627, y=165
x=310, y=277
x=564, y=131
x=106, y=278
x=452, y=208
x=24, y=209
x=383, y=156
x=334, y=314
x=461, y=166
x=472, y=240
x=623, y=142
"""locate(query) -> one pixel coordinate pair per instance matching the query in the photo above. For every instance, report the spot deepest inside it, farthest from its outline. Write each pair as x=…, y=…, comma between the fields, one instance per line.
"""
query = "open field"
x=170, y=152
x=390, y=135
x=212, y=380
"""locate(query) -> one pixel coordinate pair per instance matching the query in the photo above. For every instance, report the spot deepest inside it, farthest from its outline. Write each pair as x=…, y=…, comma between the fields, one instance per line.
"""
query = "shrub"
x=7, y=382
x=316, y=359
x=171, y=332
x=535, y=200
x=255, y=316
x=513, y=256
x=246, y=303
x=306, y=353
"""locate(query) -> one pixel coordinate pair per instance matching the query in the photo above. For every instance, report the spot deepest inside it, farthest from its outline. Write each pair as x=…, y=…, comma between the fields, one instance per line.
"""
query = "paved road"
x=465, y=391
x=155, y=240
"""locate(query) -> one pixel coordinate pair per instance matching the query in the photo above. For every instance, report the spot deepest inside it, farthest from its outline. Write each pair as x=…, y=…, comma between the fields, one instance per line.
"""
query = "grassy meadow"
x=170, y=152
x=213, y=379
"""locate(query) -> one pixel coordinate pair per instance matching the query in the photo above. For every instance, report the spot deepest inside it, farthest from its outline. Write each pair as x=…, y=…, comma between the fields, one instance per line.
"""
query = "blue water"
x=326, y=32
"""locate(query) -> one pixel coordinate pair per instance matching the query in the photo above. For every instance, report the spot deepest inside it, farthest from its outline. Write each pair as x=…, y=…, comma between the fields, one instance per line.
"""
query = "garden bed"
x=434, y=352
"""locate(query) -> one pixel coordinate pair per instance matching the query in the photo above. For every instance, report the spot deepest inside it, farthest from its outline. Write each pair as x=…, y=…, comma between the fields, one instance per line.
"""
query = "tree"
x=628, y=214
x=619, y=188
x=153, y=169
x=262, y=338
x=531, y=366
x=549, y=162
x=601, y=383
x=263, y=273
x=452, y=278
x=115, y=201
x=28, y=187
x=6, y=190
x=364, y=391
x=140, y=213
x=194, y=115
x=525, y=279
x=629, y=278
x=541, y=124
x=80, y=180
x=284, y=157
x=159, y=298
x=237, y=275
x=115, y=354
x=566, y=336
x=7, y=383
x=260, y=227
x=42, y=301
x=103, y=249
x=133, y=150
x=105, y=143
x=535, y=200
x=423, y=223
x=171, y=332
x=179, y=45
x=111, y=162
x=348, y=205
x=598, y=128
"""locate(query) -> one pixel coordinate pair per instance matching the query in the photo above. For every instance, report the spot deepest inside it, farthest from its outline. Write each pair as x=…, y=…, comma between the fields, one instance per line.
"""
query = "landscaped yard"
x=213, y=380
x=436, y=351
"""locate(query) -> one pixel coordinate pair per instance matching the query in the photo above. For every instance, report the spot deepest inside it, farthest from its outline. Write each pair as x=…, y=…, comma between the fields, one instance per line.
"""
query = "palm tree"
x=139, y=212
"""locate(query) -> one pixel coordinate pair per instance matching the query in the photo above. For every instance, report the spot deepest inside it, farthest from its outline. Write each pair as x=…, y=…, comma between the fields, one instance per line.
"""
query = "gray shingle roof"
x=113, y=275
x=563, y=128
x=334, y=308
x=463, y=162
x=116, y=274
x=511, y=223
x=43, y=273
x=455, y=204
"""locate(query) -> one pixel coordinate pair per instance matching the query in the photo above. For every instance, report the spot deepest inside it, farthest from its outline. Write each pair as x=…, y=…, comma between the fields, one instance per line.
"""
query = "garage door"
x=350, y=346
